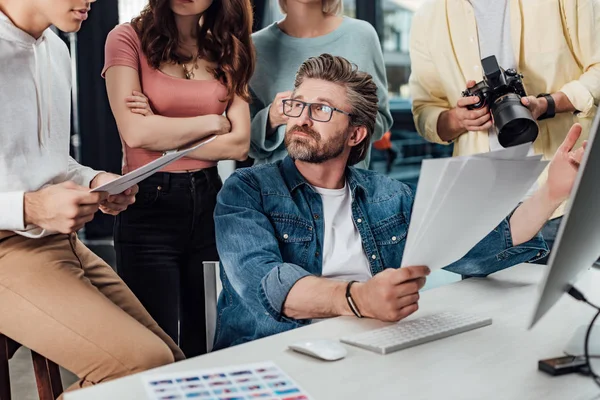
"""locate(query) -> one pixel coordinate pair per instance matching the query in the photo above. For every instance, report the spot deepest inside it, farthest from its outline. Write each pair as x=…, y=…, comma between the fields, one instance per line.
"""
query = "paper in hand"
x=126, y=181
x=461, y=200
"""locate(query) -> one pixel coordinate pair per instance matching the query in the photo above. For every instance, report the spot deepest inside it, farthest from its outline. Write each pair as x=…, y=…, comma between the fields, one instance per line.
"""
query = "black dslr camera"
x=502, y=91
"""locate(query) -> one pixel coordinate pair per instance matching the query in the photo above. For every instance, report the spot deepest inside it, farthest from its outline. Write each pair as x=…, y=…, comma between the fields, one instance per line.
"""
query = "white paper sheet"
x=509, y=153
x=434, y=178
x=461, y=200
x=126, y=181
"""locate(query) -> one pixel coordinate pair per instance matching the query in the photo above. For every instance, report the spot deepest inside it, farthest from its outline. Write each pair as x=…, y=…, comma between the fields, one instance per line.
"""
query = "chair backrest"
x=11, y=347
x=212, y=288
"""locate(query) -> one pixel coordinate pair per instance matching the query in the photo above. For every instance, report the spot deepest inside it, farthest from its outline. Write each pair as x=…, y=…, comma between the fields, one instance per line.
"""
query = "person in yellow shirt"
x=554, y=44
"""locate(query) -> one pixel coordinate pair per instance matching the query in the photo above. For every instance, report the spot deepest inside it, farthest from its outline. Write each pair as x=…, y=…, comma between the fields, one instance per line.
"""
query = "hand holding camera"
x=501, y=91
x=472, y=119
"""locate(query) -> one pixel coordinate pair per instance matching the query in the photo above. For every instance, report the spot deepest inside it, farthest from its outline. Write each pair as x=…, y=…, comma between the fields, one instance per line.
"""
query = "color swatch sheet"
x=264, y=381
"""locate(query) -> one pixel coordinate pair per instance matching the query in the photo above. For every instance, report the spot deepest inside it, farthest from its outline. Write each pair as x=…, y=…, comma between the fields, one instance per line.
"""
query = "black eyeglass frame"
x=304, y=104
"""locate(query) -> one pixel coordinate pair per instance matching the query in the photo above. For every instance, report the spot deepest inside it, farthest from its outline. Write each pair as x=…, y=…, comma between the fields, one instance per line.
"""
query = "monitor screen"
x=577, y=244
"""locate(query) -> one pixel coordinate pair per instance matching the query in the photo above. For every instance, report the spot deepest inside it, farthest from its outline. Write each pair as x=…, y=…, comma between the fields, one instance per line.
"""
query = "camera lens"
x=513, y=120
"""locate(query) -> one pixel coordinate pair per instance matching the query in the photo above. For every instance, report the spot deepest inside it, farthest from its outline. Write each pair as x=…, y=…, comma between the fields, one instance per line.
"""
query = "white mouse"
x=325, y=349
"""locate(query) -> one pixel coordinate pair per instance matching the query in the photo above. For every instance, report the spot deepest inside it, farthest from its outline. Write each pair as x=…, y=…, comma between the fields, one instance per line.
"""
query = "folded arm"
x=235, y=144
x=153, y=132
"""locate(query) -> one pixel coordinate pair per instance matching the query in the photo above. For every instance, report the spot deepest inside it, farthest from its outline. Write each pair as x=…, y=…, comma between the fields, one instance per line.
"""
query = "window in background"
x=410, y=148
x=129, y=9
x=397, y=19
x=350, y=8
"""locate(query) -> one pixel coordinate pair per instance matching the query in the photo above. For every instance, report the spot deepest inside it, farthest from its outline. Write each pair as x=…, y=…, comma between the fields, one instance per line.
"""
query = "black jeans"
x=161, y=242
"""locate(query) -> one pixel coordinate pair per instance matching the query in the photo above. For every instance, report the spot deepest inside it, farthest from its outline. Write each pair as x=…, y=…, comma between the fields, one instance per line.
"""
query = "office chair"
x=47, y=373
x=212, y=288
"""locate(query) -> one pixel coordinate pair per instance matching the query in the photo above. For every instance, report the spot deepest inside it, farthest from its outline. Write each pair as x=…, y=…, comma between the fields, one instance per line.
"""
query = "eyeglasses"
x=316, y=111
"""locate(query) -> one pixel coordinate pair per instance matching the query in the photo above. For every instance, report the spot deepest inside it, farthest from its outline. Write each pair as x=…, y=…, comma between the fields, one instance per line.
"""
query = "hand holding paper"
x=116, y=203
x=460, y=200
x=127, y=181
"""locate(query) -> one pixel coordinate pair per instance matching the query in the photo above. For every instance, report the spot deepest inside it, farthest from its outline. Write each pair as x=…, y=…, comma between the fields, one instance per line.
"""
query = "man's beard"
x=311, y=149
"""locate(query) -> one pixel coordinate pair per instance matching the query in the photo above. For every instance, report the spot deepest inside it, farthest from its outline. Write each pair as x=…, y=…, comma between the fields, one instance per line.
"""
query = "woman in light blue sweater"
x=310, y=28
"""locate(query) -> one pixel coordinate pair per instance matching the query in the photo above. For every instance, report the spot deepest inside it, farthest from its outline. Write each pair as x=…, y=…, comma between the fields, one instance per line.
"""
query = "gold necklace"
x=189, y=74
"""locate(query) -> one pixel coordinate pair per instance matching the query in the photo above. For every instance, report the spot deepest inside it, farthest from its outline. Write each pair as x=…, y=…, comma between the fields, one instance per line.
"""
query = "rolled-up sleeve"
x=496, y=252
x=80, y=174
x=582, y=19
x=249, y=250
x=261, y=145
x=276, y=285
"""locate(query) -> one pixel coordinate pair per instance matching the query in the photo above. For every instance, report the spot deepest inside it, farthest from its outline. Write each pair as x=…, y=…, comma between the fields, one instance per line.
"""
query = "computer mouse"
x=324, y=349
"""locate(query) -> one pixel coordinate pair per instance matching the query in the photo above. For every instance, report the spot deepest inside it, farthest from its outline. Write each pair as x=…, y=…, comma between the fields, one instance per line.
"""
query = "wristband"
x=351, y=303
x=551, y=109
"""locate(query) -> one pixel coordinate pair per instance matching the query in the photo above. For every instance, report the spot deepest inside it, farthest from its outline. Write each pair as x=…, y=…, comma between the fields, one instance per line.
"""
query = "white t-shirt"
x=343, y=254
x=493, y=28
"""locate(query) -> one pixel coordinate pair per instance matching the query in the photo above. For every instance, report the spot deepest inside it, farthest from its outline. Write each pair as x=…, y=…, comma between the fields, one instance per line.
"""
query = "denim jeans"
x=161, y=242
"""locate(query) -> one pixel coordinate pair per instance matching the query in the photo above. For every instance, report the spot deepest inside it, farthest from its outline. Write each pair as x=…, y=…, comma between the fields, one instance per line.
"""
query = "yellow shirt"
x=557, y=48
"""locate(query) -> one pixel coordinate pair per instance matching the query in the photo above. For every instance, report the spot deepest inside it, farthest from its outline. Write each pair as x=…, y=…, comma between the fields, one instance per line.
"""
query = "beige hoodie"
x=35, y=104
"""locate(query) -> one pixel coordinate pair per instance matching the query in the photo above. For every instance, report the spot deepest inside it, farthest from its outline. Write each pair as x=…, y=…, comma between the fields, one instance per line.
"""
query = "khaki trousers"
x=61, y=300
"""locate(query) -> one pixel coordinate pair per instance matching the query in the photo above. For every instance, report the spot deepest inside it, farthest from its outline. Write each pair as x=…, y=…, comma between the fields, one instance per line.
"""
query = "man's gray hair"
x=360, y=88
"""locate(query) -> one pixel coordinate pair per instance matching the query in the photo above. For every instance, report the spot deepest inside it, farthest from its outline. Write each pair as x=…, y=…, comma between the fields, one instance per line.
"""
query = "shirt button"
x=316, y=216
x=285, y=236
x=374, y=257
x=316, y=254
x=394, y=238
x=476, y=68
x=359, y=220
x=472, y=39
x=159, y=188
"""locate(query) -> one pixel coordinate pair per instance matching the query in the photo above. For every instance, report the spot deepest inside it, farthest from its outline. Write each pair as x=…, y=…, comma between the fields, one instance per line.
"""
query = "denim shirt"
x=269, y=232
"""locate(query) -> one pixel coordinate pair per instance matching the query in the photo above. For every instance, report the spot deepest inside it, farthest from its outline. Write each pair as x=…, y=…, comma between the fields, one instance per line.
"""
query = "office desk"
x=494, y=362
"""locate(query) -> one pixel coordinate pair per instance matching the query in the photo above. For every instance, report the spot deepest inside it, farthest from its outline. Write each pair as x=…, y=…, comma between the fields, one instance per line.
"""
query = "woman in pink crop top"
x=176, y=74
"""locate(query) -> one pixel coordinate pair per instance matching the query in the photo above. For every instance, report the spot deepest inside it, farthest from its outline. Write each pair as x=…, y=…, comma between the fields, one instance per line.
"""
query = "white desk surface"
x=495, y=362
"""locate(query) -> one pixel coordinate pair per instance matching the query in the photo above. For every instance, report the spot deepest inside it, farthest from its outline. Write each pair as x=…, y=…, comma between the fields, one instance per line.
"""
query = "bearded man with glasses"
x=312, y=237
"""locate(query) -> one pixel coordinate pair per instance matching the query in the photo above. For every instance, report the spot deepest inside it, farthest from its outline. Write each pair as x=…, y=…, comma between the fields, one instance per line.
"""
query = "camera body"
x=502, y=91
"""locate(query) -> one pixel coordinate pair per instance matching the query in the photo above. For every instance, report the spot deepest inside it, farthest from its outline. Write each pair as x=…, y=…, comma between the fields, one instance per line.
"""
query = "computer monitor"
x=577, y=244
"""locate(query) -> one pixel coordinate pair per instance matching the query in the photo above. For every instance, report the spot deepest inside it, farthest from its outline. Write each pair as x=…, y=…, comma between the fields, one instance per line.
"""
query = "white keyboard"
x=411, y=333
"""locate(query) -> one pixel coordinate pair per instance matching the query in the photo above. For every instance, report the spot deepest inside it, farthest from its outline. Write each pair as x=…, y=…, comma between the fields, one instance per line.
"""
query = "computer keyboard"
x=411, y=333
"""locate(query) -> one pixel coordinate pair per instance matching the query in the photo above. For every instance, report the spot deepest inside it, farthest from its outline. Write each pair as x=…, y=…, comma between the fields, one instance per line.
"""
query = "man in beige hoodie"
x=56, y=296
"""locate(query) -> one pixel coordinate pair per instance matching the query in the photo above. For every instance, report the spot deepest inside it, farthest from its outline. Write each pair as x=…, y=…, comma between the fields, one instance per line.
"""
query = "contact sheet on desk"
x=244, y=382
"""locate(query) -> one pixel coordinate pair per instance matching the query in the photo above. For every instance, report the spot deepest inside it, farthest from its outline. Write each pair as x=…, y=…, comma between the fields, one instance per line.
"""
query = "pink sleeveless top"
x=169, y=96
